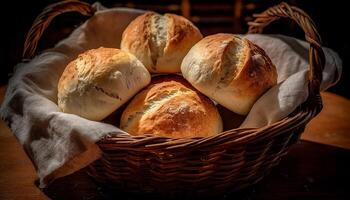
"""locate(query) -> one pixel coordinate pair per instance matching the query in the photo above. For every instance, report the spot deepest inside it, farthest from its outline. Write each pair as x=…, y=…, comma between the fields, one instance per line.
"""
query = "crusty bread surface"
x=99, y=81
x=160, y=42
x=232, y=71
x=171, y=107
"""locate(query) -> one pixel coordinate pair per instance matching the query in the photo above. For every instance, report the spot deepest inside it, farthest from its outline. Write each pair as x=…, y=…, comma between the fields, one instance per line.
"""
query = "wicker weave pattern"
x=316, y=55
x=233, y=159
x=45, y=18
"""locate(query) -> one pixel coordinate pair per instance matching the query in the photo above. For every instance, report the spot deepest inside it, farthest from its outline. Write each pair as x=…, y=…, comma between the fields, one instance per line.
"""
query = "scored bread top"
x=99, y=81
x=232, y=71
x=171, y=107
x=160, y=41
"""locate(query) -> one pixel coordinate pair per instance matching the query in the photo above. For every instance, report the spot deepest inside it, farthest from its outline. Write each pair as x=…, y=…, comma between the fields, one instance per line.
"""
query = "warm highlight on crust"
x=232, y=71
x=141, y=39
x=171, y=107
x=99, y=81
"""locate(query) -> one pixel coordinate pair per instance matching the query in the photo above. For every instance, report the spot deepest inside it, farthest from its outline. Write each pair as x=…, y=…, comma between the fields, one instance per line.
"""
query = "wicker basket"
x=231, y=160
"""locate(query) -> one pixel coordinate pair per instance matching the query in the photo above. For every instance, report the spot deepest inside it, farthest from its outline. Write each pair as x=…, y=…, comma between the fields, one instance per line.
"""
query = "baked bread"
x=171, y=107
x=232, y=71
x=99, y=81
x=160, y=42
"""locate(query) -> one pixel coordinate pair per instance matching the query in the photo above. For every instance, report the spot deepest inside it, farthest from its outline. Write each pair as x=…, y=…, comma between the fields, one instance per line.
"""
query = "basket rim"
x=304, y=113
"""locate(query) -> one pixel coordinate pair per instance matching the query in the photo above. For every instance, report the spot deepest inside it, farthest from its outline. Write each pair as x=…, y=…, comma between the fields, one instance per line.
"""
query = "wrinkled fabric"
x=290, y=57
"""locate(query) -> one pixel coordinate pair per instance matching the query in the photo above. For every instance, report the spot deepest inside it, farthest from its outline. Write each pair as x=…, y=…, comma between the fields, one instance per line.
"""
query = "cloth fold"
x=290, y=56
x=59, y=143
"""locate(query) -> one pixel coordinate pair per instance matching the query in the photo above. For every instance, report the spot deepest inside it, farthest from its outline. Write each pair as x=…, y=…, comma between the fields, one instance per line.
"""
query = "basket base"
x=137, y=177
x=185, y=191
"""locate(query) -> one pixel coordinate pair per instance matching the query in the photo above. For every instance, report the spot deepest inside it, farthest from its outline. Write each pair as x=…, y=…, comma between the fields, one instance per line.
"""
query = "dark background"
x=210, y=16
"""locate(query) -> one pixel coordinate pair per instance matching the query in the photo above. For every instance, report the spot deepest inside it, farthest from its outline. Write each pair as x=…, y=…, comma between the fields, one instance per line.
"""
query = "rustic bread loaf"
x=232, y=71
x=160, y=42
x=99, y=81
x=171, y=107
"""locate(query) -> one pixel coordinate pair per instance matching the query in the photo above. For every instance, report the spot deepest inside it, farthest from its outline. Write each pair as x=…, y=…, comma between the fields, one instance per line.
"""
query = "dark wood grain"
x=332, y=125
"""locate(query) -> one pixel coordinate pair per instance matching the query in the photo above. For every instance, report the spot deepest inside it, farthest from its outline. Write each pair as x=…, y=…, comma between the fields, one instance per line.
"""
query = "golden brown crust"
x=99, y=81
x=137, y=42
x=171, y=107
x=182, y=34
x=85, y=65
x=232, y=71
x=160, y=42
x=68, y=74
x=258, y=73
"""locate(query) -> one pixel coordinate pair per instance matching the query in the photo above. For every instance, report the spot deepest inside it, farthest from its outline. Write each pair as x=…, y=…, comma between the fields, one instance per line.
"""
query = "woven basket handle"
x=316, y=55
x=46, y=16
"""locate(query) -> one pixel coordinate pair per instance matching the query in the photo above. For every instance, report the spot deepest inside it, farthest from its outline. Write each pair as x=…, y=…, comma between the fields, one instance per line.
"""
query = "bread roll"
x=171, y=107
x=99, y=81
x=232, y=71
x=160, y=42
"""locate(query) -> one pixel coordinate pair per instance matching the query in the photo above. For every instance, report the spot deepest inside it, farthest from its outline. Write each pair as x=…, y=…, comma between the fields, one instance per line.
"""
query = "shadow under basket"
x=228, y=161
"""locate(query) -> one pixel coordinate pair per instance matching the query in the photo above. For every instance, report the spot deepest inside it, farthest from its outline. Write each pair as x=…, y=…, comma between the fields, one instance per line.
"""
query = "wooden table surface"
x=317, y=167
